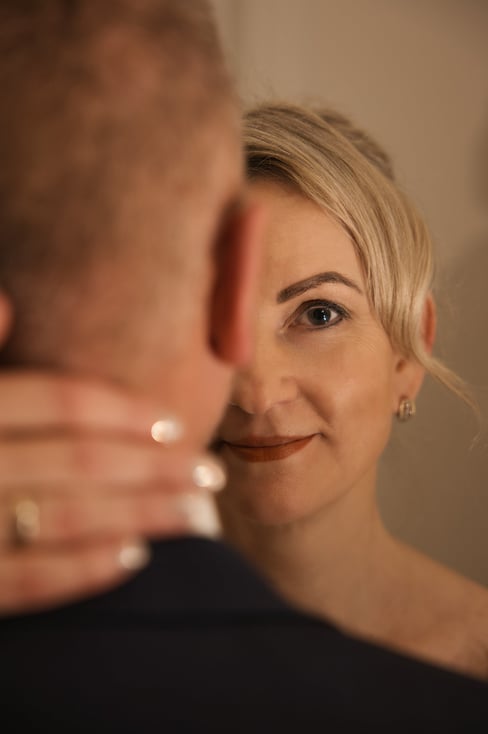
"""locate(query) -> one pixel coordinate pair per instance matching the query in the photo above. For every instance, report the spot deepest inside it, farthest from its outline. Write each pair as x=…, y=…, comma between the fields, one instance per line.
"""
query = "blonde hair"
x=323, y=156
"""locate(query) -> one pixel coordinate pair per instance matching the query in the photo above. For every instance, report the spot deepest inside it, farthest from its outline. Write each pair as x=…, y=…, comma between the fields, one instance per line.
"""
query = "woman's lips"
x=268, y=449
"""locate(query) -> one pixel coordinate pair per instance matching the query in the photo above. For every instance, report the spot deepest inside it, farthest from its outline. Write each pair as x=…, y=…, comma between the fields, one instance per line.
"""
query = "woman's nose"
x=262, y=385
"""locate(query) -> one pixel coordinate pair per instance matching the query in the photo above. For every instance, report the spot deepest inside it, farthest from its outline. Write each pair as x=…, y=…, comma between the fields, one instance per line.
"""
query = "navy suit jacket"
x=198, y=643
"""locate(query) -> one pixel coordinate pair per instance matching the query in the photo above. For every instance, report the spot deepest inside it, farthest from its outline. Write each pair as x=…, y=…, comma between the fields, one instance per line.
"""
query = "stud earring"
x=406, y=410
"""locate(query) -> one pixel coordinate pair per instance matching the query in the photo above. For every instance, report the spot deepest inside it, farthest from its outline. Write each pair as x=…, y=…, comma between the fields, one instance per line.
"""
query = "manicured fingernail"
x=209, y=473
x=201, y=514
x=167, y=430
x=134, y=556
x=27, y=525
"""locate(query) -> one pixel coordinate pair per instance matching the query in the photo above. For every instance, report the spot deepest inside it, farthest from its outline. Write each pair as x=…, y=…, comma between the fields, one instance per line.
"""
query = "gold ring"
x=26, y=522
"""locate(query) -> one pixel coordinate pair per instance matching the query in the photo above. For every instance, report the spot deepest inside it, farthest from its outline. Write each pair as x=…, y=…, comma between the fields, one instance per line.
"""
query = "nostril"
x=256, y=394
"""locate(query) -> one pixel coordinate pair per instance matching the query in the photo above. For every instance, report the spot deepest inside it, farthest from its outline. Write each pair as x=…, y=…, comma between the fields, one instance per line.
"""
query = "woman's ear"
x=6, y=316
x=409, y=374
x=429, y=323
x=237, y=264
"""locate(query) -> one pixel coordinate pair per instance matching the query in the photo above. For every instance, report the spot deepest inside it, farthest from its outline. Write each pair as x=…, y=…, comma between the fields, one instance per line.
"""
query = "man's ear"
x=6, y=314
x=409, y=373
x=237, y=263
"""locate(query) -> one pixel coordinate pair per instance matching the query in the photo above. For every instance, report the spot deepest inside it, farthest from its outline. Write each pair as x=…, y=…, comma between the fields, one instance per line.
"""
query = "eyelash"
x=304, y=308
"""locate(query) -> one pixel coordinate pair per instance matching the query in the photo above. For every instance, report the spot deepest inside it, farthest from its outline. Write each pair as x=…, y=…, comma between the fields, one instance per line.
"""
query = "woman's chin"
x=275, y=509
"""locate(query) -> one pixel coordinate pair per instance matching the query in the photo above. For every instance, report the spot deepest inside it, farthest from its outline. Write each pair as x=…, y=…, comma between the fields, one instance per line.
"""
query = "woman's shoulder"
x=472, y=620
x=457, y=610
x=476, y=623
x=462, y=598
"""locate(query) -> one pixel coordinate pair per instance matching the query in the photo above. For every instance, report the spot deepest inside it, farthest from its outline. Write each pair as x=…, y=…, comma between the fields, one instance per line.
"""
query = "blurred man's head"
x=119, y=182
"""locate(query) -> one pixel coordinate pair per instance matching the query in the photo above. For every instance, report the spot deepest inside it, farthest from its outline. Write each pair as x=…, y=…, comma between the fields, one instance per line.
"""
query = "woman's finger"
x=70, y=518
x=81, y=468
x=47, y=462
x=37, y=400
x=33, y=579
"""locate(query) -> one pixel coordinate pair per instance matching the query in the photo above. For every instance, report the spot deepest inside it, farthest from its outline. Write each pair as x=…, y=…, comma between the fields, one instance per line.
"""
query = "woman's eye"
x=320, y=315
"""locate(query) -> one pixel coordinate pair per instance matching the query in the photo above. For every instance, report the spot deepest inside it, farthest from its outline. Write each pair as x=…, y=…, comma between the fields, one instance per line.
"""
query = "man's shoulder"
x=190, y=578
x=198, y=641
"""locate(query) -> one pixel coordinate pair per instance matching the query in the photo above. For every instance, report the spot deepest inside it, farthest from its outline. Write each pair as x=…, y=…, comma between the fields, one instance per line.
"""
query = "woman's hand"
x=82, y=481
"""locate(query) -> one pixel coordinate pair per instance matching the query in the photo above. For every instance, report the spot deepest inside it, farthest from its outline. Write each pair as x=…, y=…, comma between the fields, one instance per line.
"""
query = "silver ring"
x=26, y=522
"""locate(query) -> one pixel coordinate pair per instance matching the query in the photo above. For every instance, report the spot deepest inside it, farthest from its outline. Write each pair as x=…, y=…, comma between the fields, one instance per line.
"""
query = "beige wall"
x=415, y=73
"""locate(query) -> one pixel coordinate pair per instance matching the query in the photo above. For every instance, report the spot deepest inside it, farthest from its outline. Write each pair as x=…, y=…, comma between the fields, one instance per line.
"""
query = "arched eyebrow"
x=296, y=289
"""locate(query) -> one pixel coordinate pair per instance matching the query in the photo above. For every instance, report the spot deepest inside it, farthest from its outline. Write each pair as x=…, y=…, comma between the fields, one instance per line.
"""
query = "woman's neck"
x=342, y=564
x=337, y=562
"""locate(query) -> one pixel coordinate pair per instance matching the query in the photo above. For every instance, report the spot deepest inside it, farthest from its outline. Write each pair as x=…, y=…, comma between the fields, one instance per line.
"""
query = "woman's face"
x=312, y=413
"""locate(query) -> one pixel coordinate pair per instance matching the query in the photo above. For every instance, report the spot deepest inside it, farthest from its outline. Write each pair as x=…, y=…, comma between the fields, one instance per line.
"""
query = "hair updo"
x=320, y=154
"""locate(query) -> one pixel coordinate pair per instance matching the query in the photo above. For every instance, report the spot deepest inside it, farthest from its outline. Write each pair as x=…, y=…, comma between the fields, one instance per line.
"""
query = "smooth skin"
x=324, y=367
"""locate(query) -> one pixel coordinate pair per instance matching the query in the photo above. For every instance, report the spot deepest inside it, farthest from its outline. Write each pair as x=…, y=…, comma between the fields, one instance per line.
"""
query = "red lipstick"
x=270, y=448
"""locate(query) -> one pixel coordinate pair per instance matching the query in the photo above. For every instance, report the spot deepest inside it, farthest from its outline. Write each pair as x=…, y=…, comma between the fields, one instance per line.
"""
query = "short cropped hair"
x=95, y=96
x=322, y=155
